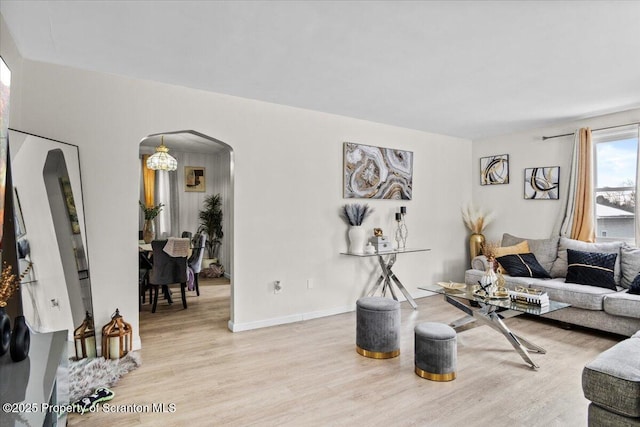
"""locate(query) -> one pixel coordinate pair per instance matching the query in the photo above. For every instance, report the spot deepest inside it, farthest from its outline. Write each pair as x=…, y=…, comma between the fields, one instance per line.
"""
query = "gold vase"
x=476, y=240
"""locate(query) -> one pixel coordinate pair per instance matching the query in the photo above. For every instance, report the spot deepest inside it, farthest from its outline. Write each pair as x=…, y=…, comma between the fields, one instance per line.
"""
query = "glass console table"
x=491, y=312
x=387, y=276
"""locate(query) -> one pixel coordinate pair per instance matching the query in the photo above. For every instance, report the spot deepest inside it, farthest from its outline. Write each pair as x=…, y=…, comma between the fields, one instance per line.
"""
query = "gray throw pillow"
x=629, y=264
x=545, y=250
x=559, y=268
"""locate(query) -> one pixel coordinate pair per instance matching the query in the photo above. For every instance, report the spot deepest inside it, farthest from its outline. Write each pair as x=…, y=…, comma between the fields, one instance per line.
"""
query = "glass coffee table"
x=491, y=312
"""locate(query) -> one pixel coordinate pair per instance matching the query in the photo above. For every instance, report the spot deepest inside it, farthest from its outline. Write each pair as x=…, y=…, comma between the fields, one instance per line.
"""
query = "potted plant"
x=211, y=224
x=150, y=213
x=354, y=215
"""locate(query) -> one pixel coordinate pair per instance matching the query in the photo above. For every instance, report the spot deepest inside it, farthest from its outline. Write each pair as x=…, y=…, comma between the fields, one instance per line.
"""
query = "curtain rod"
x=544, y=138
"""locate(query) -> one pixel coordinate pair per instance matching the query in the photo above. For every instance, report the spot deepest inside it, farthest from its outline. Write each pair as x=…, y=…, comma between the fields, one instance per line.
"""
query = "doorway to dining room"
x=204, y=172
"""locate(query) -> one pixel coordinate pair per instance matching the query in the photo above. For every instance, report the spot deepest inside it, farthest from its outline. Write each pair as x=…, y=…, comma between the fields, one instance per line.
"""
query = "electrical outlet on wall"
x=309, y=284
x=277, y=287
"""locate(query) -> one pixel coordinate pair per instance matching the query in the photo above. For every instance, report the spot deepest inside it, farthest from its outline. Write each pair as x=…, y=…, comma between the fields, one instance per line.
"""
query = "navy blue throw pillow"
x=635, y=286
x=591, y=268
x=523, y=265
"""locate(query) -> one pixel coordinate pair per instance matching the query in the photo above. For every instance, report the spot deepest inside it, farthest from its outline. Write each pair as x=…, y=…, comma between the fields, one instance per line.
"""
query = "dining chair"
x=144, y=268
x=195, y=261
x=166, y=271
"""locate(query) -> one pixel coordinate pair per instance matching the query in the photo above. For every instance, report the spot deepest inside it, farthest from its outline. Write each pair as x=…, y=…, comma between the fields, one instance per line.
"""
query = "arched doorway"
x=214, y=162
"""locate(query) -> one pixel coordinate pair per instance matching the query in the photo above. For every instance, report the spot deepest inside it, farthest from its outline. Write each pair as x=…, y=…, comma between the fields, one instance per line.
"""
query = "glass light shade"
x=161, y=159
x=117, y=337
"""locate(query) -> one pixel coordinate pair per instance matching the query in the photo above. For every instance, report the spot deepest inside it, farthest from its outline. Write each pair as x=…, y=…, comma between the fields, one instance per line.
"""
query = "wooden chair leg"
x=195, y=282
x=183, y=293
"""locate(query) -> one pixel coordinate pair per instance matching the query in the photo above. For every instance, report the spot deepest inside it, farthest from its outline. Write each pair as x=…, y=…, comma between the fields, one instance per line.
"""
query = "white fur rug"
x=88, y=374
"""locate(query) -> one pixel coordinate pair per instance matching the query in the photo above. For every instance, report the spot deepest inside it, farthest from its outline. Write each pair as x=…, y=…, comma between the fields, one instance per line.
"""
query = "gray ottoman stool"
x=436, y=352
x=378, y=327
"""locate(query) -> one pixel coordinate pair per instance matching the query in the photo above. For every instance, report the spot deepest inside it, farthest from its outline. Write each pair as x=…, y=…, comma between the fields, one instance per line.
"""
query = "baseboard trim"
x=275, y=321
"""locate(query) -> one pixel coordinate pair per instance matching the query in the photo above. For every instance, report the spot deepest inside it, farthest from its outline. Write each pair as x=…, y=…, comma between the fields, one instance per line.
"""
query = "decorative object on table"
x=369, y=249
x=476, y=221
x=494, y=169
x=452, y=285
x=354, y=215
x=401, y=232
x=84, y=338
x=150, y=213
x=377, y=173
x=117, y=336
x=529, y=296
x=194, y=179
x=377, y=232
x=5, y=331
x=489, y=281
x=86, y=375
x=381, y=244
x=211, y=223
x=161, y=159
x=18, y=340
x=542, y=183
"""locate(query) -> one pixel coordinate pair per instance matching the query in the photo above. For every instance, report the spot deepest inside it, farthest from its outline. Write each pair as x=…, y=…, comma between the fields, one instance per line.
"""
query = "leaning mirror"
x=50, y=231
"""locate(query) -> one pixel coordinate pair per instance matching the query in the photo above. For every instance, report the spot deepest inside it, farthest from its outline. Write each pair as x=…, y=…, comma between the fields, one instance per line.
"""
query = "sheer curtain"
x=166, y=192
x=577, y=217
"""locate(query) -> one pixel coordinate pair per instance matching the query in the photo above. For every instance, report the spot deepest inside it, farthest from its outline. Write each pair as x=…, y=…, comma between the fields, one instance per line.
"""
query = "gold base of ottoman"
x=377, y=354
x=435, y=377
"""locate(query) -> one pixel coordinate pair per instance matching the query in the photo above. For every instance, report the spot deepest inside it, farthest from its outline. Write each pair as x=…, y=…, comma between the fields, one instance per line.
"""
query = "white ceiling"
x=471, y=69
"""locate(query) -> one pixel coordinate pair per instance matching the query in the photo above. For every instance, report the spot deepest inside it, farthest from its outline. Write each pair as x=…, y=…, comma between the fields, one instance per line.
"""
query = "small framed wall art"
x=194, y=178
x=542, y=183
x=494, y=169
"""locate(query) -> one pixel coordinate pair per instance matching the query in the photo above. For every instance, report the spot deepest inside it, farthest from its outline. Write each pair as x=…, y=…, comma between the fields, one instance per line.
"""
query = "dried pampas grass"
x=475, y=218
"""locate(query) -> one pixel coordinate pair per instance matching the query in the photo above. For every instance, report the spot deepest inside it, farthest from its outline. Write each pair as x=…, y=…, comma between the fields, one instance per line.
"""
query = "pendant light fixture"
x=161, y=159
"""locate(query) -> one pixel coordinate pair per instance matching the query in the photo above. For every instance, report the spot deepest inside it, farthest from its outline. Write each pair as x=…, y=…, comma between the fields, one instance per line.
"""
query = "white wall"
x=288, y=190
x=513, y=214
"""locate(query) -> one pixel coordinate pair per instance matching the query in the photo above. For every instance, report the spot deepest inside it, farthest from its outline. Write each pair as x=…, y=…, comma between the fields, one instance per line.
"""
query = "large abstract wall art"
x=494, y=170
x=542, y=183
x=377, y=173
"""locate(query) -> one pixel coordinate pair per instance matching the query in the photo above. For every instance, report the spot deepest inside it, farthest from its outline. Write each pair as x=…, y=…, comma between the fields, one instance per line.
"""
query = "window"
x=616, y=158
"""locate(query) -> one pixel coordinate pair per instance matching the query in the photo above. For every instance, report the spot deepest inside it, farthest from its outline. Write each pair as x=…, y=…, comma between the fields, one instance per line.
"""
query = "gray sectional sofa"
x=595, y=307
x=612, y=381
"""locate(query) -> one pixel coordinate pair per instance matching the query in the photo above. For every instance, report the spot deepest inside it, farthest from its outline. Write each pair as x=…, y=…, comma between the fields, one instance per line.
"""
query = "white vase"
x=357, y=239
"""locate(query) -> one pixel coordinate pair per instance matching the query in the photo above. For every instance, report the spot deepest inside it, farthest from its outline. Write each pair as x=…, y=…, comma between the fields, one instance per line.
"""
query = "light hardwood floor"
x=309, y=374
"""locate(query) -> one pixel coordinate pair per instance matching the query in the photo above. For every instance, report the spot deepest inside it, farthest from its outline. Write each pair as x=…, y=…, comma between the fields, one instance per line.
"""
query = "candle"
x=90, y=344
x=398, y=216
x=114, y=348
x=403, y=210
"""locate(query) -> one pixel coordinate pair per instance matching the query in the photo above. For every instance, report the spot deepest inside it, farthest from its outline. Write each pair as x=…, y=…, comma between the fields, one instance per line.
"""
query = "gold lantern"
x=116, y=337
x=84, y=338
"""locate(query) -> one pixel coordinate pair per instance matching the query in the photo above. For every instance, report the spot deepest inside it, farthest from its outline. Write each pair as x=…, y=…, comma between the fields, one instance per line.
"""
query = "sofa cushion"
x=523, y=265
x=520, y=248
x=545, y=250
x=635, y=286
x=579, y=296
x=591, y=268
x=612, y=380
x=629, y=264
x=560, y=267
x=622, y=304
